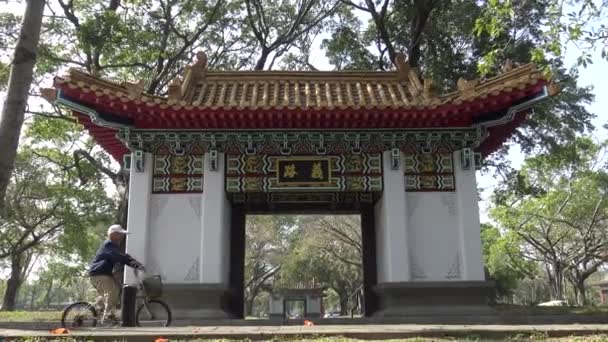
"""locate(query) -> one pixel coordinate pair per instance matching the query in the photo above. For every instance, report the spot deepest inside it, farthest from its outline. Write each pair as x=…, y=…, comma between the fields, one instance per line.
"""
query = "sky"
x=595, y=75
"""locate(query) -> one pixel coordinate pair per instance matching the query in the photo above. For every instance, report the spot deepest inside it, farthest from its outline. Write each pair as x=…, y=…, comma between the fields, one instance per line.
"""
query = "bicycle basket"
x=153, y=286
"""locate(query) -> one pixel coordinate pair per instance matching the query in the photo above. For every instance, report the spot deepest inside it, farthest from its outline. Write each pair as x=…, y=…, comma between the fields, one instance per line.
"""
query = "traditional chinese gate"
x=385, y=145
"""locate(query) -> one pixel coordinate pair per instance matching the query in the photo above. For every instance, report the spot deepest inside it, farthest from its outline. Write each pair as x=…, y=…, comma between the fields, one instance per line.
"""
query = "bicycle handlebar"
x=137, y=273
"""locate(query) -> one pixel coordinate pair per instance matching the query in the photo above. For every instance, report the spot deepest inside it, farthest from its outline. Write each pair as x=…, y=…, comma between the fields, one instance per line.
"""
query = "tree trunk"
x=22, y=70
x=249, y=306
x=556, y=281
x=34, y=289
x=343, y=303
x=250, y=300
x=581, y=293
x=48, y=298
x=263, y=58
x=13, y=283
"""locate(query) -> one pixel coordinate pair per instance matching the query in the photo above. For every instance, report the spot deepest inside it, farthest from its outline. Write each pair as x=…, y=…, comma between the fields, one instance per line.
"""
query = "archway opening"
x=303, y=266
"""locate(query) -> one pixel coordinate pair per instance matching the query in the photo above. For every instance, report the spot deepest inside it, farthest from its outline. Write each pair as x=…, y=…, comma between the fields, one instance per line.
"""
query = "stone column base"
x=197, y=301
x=434, y=298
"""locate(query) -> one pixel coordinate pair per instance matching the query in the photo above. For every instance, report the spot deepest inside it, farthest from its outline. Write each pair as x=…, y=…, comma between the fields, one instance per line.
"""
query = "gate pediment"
x=263, y=173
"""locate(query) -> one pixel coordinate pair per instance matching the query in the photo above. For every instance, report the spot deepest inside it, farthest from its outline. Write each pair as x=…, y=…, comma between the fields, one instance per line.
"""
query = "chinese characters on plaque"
x=303, y=171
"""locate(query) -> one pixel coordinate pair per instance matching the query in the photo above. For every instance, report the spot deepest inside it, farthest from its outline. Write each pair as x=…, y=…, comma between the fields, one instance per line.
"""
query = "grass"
x=30, y=316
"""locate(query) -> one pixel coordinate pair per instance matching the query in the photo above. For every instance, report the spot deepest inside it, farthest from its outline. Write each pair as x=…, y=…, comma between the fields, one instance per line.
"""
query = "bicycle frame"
x=141, y=289
x=141, y=294
x=100, y=317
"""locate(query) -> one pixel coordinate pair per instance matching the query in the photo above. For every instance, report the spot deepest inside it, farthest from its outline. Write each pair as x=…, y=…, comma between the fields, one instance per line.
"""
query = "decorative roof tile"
x=316, y=90
x=284, y=100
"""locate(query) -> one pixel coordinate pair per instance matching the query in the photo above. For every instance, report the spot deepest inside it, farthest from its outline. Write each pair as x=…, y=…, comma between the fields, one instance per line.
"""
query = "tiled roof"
x=277, y=100
x=399, y=89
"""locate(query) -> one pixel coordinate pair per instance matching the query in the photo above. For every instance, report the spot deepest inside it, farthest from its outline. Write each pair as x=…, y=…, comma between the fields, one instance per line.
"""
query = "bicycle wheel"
x=155, y=314
x=79, y=315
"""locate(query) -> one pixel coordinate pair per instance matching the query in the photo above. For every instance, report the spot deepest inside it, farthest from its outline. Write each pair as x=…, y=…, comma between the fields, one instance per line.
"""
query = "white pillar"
x=215, y=230
x=468, y=220
x=140, y=188
x=391, y=225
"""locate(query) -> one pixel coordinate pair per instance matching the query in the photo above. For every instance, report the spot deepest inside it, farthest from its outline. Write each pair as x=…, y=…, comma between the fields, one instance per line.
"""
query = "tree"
x=100, y=27
x=267, y=241
x=277, y=25
x=448, y=51
x=558, y=209
x=20, y=79
x=582, y=22
x=503, y=262
x=587, y=218
x=42, y=200
x=327, y=254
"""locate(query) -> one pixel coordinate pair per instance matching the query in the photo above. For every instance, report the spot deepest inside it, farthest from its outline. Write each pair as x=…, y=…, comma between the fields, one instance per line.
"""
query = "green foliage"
x=582, y=22
x=449, y=51
x=267, y=240
x=503, y=261
x=58, y=283
x=301, y=252
x=54, y=209
x=327, y=254
x=9, y=31
x=557, y=213
x=4, y=75
x=44, y=198
x=346, y=48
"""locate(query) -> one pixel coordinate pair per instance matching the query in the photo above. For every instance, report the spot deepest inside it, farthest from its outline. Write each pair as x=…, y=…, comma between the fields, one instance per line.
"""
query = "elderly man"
x=101, y=270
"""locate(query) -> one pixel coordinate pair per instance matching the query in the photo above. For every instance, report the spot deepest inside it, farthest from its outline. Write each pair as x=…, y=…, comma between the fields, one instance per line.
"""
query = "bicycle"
x=151, y=312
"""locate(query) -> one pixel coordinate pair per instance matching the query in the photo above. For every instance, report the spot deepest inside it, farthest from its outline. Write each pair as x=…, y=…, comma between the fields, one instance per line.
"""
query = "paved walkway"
x=300, y=332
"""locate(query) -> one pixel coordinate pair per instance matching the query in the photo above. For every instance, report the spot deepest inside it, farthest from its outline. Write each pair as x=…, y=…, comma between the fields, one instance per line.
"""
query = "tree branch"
x=79, y=154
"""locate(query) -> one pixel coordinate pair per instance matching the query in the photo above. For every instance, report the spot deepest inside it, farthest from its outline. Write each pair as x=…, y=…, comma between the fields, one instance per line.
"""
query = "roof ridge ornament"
x=466, y=87
x=554, y=88
x=192, y=74
x=175, y=90
x=49, y=94
x=403, y=66
x=134, y=90
x=201, y=60
x=430, y=90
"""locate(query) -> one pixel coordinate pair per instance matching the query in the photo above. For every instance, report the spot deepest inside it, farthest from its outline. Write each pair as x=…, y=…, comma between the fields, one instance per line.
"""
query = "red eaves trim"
x=153, y=117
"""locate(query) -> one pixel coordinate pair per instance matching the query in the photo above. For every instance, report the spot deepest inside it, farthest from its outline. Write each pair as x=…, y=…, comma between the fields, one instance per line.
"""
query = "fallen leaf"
x=60, y=331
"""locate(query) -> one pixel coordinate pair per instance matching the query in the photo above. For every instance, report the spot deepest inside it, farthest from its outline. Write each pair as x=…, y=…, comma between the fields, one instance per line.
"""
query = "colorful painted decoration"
x=275, y=173
x=175, y=173
x=429, y=172
x=304, y=197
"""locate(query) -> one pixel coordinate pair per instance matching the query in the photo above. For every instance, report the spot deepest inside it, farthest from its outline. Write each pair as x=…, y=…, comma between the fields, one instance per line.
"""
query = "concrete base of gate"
x=196, y=301
x=434, y=298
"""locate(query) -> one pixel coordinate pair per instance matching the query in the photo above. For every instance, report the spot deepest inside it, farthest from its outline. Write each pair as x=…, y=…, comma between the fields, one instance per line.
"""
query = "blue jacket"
x=107, y=256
